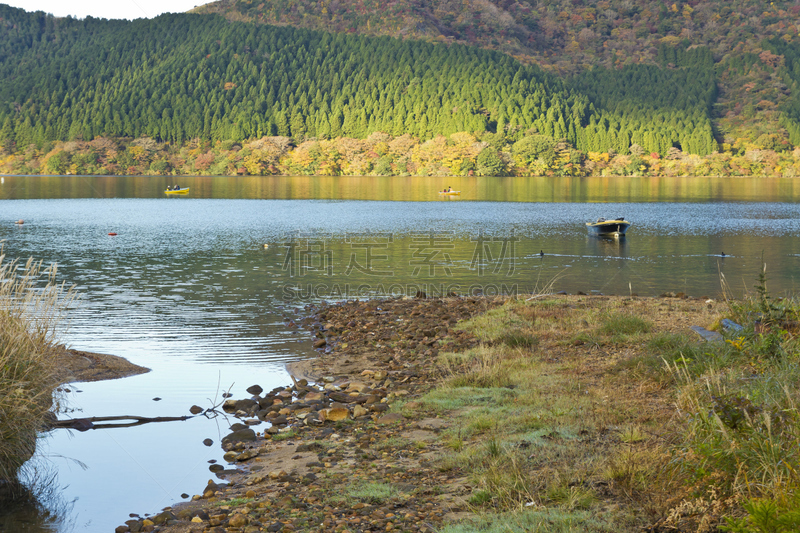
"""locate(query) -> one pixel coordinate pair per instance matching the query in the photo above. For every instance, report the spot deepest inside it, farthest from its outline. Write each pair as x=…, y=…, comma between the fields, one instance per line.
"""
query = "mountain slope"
x=509, y=29
x=181, y=77
x=560, y=34
x=570, y=36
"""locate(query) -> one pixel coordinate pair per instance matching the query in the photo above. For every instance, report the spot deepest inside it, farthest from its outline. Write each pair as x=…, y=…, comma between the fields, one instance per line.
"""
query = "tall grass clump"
x=482, y=367
x=622, y=326
x=31, y=307
x=743, y=431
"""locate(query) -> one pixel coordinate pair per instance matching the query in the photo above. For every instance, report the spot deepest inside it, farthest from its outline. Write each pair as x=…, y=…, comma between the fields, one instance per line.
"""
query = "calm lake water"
x=197, y=287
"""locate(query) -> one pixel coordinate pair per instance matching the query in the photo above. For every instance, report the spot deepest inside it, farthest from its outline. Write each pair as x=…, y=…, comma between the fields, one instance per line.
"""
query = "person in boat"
x=449, y=189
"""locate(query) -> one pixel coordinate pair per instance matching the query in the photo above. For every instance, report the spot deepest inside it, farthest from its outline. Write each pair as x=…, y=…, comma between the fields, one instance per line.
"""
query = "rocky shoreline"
x=335, y=428
x=351, y=448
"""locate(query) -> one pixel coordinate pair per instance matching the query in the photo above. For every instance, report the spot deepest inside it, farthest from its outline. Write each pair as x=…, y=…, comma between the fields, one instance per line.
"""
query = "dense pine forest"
x=206, y=94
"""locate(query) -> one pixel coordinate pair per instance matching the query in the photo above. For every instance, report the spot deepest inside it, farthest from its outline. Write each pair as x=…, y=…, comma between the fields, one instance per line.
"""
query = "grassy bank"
x=29, y=314
x=609, y=415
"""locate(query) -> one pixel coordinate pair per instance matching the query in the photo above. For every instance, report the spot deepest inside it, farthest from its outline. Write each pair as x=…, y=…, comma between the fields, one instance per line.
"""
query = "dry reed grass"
x=31, y=308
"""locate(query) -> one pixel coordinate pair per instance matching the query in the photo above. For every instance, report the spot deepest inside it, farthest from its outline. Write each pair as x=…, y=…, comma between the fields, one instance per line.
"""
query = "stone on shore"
x=255, y=390
x=334, y=431
x=334, y=414
x=241, y=435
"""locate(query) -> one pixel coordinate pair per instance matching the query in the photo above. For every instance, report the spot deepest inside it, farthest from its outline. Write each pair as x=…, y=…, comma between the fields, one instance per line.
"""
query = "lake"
x=198, y=288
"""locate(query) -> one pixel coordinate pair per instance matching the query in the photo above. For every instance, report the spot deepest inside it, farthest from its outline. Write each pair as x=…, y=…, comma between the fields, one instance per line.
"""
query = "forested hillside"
x=570, y=36
x=181, y=77
x=201, y=93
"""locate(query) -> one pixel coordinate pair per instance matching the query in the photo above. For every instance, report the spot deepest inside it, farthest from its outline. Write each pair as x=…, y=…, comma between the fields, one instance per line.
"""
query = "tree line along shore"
x=460, y=154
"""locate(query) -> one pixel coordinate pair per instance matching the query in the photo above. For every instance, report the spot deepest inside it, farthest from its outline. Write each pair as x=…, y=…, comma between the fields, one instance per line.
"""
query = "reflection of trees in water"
x=36, y=503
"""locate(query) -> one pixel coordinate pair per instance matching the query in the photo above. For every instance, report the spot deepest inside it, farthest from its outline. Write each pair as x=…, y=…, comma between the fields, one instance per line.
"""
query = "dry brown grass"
x=582, y=415
x=31, y=307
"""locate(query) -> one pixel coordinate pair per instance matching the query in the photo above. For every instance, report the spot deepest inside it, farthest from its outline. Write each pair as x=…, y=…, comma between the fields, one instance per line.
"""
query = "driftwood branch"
x=83, y=424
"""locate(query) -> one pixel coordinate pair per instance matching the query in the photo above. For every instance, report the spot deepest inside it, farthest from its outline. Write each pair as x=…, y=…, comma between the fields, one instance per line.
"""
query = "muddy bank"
x=81, y=366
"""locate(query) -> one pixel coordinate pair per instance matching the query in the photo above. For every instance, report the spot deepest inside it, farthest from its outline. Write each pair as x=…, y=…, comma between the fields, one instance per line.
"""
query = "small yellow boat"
x=184, y=190
x=615, y=227
x=450, y=193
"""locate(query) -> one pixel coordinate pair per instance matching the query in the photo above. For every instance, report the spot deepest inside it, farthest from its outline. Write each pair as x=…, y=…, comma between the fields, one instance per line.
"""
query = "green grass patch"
x=483, y=422
x=519, y=339
x=540, y=520
x=668, y=343
x=632, y=434
x=485, y=366
x=623, y=325
x=234, y=502
x=452, y=398
x=571, y=497
x=480, y=497
x=372, y=493
x=661, y=350
x=546, y=304
x=548, y=435
x=285, y=435
x=496, y=323
x=454, y=442
x=393, y=443
x=580, y=338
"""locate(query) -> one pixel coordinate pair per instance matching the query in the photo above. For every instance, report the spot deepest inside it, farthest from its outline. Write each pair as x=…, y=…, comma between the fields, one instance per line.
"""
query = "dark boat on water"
x=613, y=227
